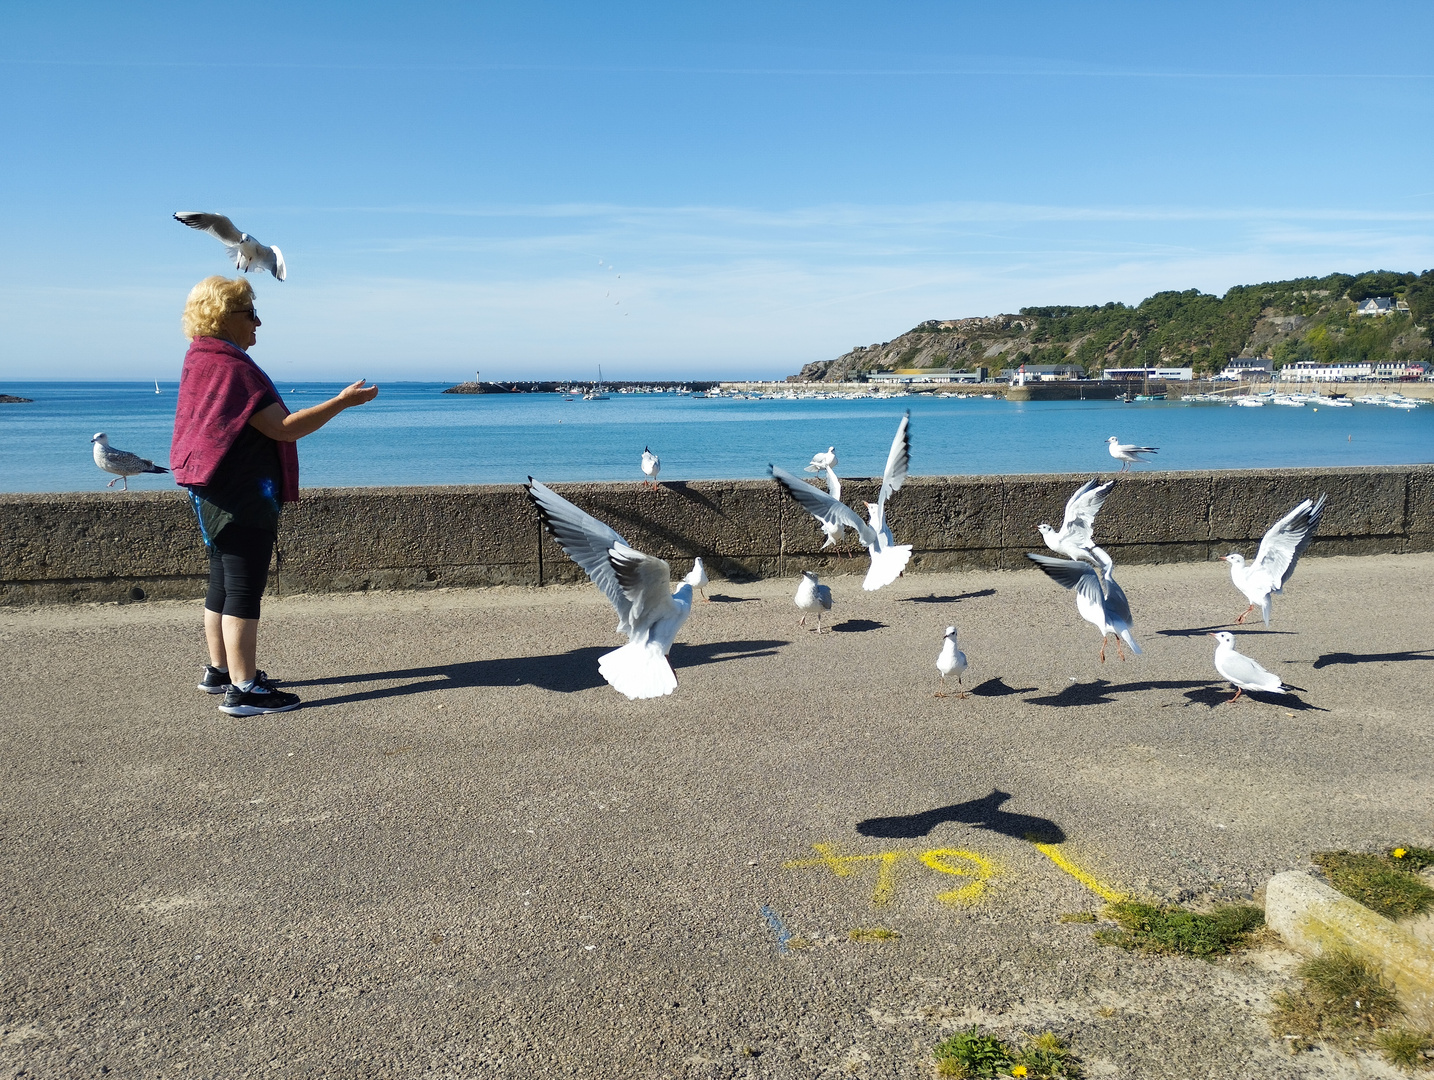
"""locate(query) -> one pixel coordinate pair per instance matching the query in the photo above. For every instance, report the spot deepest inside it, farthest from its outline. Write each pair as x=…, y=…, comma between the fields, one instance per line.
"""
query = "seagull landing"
x=247, y=253
x=121, y=462
x=1242, y=672
x=1128, y=453
x=812, y=597
x=1107, y=610
x=651, y=466
x=1076, y=539
x=1275, y=562
x=950, y=661
x=638, y=586
x=697, y=578
x=827, y=460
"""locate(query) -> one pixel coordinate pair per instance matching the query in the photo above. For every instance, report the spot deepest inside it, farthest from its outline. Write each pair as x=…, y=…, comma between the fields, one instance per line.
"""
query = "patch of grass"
x=1407, y=1049
x=873, y=933
x=969, y=1054
x=1413, y=859
x=1342, y=1000
x=1046, y=1057
x=1161, y=928
x=1377, y=882
x=1077, y=916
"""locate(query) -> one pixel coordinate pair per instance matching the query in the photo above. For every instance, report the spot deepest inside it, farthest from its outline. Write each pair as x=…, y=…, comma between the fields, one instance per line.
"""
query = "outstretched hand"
x=357, y=394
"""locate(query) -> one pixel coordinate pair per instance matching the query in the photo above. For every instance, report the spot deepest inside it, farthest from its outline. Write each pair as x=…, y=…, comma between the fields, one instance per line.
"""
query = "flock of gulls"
x=650, y=613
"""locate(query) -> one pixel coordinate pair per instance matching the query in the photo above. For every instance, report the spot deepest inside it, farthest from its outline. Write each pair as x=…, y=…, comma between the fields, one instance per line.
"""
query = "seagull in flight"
x=638, y=586
x=888, y=558
x=827, y=460
x=1107, y=610
x=121, y=462
x=1076, y=538
x=1128, y=453
x=812, y=596
x=246, y=252
x=651, y=466
x=1275, y=561
x=950, y=661
x=835, y=531
x=1242, y=672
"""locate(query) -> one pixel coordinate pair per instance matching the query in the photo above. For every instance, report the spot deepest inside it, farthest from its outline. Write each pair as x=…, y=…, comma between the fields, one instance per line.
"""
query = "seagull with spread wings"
x=1076, y=538
x=638, y=586
x=1107, y=610
x=247, y=253
x=888, y=558
x=1275, y=561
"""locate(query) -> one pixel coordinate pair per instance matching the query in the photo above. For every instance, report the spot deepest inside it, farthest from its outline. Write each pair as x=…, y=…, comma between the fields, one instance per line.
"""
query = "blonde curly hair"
x=210, y=301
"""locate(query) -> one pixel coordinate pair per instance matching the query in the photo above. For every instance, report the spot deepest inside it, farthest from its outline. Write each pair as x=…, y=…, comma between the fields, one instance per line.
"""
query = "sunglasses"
x=253, y=315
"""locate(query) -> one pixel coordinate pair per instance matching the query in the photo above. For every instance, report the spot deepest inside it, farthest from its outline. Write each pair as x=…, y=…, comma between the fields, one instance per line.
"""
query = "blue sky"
x=682, y=190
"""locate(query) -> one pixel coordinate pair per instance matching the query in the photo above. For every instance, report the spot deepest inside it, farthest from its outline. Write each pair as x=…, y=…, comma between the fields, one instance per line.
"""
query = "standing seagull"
x=1242, y=672
x=812, y=597
x=638, y=586
x=1076, y=539
x=698, y=578
x=888, y=558
x=121, y=462
x=827, y=460
x=951, y=661
x=651, y=465
x=1127, y=453
x=246, y=252
x=1108, y=611
x=1275, y=561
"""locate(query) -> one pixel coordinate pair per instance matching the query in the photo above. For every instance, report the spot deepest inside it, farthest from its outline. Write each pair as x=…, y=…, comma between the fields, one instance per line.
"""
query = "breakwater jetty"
x=552, y=386
x=108, y=547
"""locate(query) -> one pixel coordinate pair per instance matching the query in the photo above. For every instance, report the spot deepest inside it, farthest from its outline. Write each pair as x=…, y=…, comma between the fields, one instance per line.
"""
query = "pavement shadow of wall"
x=983, y=813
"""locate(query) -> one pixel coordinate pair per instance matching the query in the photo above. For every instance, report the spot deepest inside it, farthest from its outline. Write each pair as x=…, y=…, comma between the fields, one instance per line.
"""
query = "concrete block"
x=1314, y=919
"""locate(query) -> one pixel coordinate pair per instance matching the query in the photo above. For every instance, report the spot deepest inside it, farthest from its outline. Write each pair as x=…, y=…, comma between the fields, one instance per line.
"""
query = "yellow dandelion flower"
x=1398, y=853
x=1019, y=1070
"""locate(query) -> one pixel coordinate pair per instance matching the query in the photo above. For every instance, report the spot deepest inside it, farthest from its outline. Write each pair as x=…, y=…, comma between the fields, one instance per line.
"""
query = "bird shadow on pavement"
x=1220, y=693
x=717, y=598
x=1099, y=691
x=1238, y=631
x=857, y=626
x=997, y=688
x=983, y=813
x=563, y=673
x=1329, y=659
x=932, y=598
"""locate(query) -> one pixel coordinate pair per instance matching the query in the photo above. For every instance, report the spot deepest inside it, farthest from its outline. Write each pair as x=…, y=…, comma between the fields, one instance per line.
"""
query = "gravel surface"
x=466, y=855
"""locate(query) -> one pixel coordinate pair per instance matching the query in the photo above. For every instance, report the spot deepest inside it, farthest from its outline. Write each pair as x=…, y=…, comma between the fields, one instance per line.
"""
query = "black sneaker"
x=214, y=681
x=261, y=699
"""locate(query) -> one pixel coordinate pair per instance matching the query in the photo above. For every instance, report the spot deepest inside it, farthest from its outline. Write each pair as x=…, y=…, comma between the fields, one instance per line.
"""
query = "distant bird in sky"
x=246, y=252
x=121, y=462
x=651, y=466
x=698, y=578
x=1128, y=453
x=1242, y=672
x=638, y=586
x=1107, y=610
x=950, y=661
x=1275, y=561
x=827, y=460
x=888, y=558
x=1076, y=538
x=812, y=596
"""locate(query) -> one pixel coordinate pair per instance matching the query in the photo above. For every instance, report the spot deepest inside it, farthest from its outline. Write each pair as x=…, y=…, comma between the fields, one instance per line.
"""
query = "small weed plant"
x=874, y=933
x=969, y=1054
x=1387, y=884
x=1161, y=928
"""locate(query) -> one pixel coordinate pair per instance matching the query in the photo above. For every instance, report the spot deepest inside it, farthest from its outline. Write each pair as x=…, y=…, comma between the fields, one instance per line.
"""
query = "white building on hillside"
x=1376, y=305
x=1170, y=374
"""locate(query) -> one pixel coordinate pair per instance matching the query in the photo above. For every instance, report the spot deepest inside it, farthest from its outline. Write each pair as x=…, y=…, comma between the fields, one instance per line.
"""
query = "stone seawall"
x=79, y=548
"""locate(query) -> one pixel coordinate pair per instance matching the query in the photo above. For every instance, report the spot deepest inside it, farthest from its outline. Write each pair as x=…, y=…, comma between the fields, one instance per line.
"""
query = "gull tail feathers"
x=638, y=670
x=1129, y=639
x=886, y=566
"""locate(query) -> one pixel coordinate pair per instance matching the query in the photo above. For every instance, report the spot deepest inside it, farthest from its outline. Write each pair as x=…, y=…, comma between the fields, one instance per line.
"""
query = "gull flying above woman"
x=888, y=558
x=1108, y=610
x=638, y=586
x=246, y=252
x=1275, y=561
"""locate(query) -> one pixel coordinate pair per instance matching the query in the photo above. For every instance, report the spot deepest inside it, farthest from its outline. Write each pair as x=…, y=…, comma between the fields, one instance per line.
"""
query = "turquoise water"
x=414, y=434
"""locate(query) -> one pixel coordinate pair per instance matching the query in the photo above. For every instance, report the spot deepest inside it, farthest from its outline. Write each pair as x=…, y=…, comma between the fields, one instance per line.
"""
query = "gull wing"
x=822, y=506
x=1287, y=539
x=1070, y=574
x=216, y=225
x=646, y=582
x=124, y=461
x=1117, y=607
x=1244, y=672
x=897, y=461
x=1081, y=508
x=587, y=541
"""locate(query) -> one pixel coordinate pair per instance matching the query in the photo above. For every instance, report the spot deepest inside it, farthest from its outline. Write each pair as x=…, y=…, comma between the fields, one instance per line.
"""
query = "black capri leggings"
x=238, y=570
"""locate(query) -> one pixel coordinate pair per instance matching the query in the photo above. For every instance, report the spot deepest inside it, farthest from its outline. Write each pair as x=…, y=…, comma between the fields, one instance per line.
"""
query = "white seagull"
x=888, y=558
x=834, y=530
x=812, y=597
x=121, y=462
x=1076, y=538
x=638, y=587
x=1242, y=672
x=1108, y=611
x=827, y=460
x=950, y=661
x=1275, y=561
x=651, y=466
x=698, y=578
x=1128, y=453
x=246, y=252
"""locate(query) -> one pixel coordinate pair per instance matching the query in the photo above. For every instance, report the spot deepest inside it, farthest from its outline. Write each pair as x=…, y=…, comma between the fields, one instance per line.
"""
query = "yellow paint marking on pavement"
x=1105, y=892
x=980, y=868
x=843, y=866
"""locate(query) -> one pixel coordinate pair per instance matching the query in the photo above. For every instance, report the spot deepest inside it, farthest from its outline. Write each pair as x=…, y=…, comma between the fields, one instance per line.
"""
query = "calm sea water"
x=414, y=434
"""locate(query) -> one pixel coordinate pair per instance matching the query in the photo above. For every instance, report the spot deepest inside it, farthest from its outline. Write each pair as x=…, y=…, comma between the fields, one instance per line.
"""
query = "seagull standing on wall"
x=1275, y=562
x=121, y=462
x=1076, y=539
x=651, y=466
x=247, y=253
x=1128, y=452
x=1242, y=672
x=950, y=661
x=827, y=460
